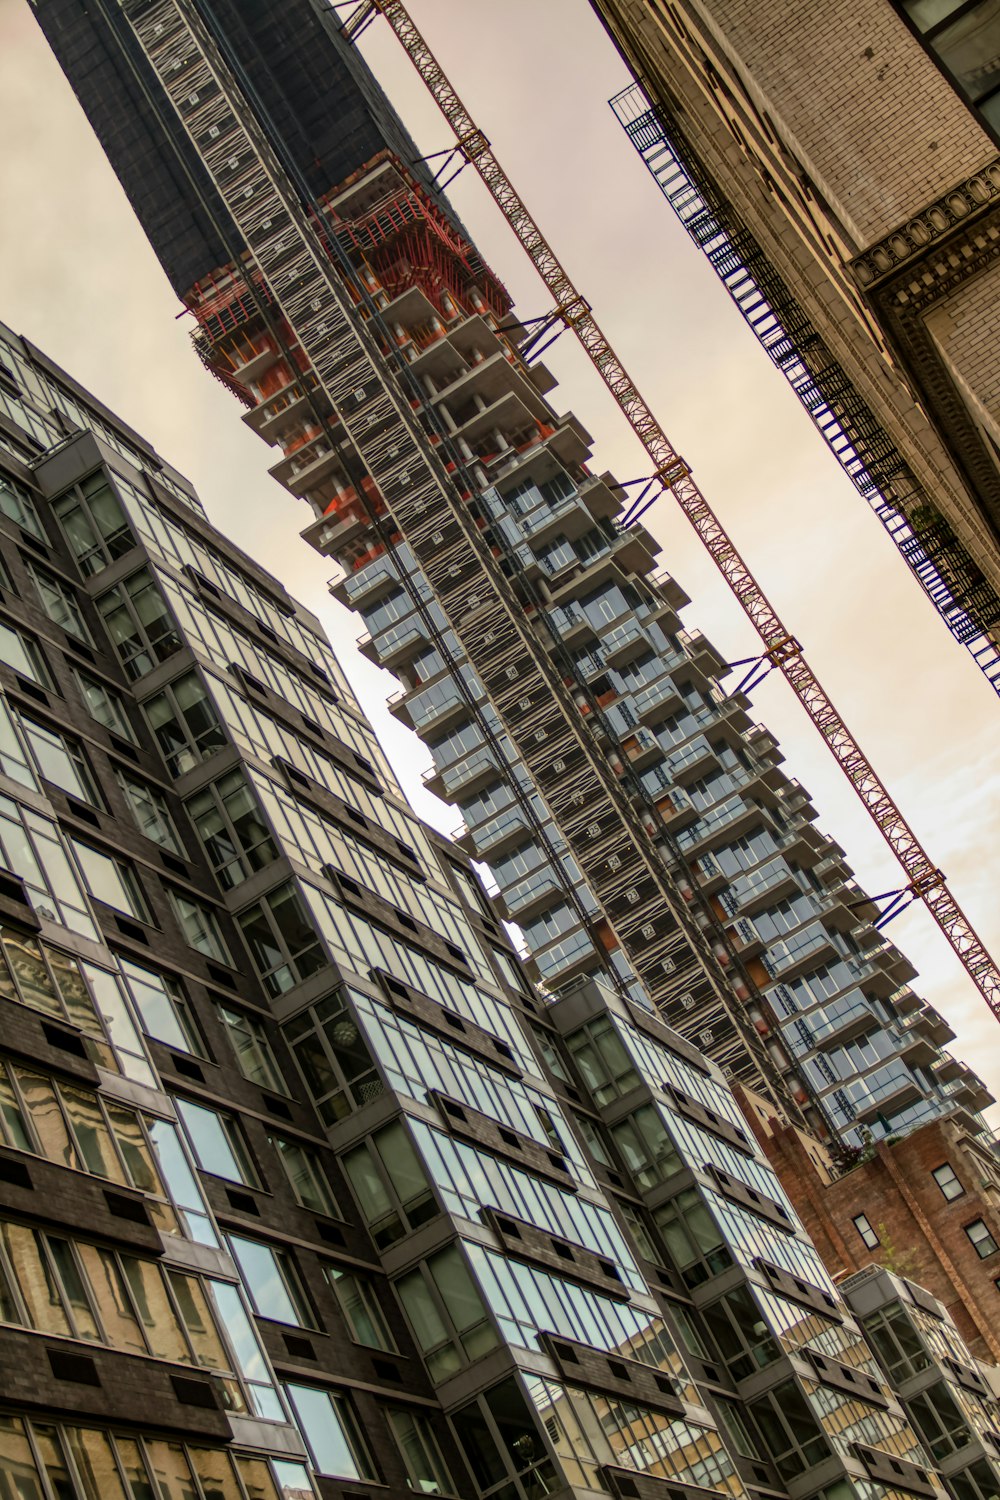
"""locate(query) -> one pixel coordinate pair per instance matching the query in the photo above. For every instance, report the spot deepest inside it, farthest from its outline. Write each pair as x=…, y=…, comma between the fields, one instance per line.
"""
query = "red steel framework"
x=924, y=881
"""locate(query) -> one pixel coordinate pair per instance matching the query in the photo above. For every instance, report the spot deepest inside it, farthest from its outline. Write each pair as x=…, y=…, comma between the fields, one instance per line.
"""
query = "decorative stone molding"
x=938, y=219
x=919, y=266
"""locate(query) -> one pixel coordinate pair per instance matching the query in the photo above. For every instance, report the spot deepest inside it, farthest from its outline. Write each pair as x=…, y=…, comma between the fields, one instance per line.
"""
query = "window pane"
x=104, y=706
x=200, y=927
x=216, y=1474
x=91, y=1133
x=216, y=1144
x=268, y=1275
x=73, y=1287
x=60, y=761
x=359, y=1304
x=330, y=1432
x=430, y=1330
x=34, y=1277
x=42, y=1104
x=253, y=1050
x=232, y=829
x=145, y=1280
x=95, y=1463
x=425, y=1468
x=59, y=604
x=306, y=1177
x=970, y=49
x=17, y=505
x=162, y=1008
x=113, y=1302
x=110, y=881
x=13, y=1124
x=139, y=624
x=23, y=656
x=149, y=809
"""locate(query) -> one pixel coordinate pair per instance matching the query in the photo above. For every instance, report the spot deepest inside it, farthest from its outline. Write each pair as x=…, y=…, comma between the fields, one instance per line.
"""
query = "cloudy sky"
x=77, y=277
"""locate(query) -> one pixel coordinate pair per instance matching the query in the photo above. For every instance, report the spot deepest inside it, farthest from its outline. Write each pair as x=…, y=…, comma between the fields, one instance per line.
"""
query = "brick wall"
x=922, y=1235
x=871, y=117
x=964, y=328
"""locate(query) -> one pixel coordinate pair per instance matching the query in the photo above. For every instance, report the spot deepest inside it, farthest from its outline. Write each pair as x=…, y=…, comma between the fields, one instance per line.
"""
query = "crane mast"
x=781, y=650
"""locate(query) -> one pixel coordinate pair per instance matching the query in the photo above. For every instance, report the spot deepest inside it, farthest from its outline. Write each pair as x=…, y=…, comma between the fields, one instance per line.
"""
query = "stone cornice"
x=934, y=223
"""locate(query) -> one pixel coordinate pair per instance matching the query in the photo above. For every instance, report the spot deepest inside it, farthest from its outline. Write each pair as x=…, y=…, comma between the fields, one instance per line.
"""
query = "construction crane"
x=781, y=651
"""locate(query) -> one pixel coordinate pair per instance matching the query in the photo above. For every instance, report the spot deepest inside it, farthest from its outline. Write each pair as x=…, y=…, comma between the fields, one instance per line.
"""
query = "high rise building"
x=304, y=1191
x=839, y=167
x=636, y=822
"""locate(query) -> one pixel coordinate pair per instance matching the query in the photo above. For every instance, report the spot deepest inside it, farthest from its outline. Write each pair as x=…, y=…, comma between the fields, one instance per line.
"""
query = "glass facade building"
x=636, y=821
x=303, y=1185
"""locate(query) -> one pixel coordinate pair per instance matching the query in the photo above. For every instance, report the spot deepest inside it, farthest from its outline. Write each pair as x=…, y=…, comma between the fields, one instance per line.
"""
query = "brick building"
x=839, y=166
x=926, y=1205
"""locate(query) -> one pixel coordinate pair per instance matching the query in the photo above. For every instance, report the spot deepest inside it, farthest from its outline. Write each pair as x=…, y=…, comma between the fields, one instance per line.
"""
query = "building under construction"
x=383, y=1208
x=838, y=165
x=636, y=821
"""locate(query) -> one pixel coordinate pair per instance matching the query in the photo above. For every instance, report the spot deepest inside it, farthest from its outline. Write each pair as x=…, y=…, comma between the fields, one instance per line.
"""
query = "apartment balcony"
x=302, y=470
x=925, y=1022
x=569, y=518
x=489, y=378
x=589, y=666
x=501, y=833
x=497, y=421
x=625, y=642
x=810, y=945
x=699, y=649
x=848, y=1016
x=905, y=1002
x=425, y=709
x=871, y=975
x=378, y=576
x=571, y=442
x=877, y=949
x=725, y=821
x=962, y=1087
x=709, y=874
x=533, y=895
x=392, y=648
x=916, y=1049
x=765, y=886
x=601, y=495
x=745, y=938
x=692, y=761
x=569, y=622
x=635, y=550
x=291, y=404
x=563, y=960
x=832, y=866
x=641, y=748
x=463, y=777
x=251, y=370
x=657, y=700
x=793, y=799
x=676, y=808
x=888, y=1088
x=761, y=741
x=666, y=585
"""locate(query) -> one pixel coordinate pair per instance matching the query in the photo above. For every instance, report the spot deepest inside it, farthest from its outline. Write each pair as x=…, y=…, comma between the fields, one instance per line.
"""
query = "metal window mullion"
x=42, y=1236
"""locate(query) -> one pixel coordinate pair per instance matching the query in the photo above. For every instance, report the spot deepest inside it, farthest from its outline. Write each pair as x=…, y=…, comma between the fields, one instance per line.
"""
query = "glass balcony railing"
x=806, y=944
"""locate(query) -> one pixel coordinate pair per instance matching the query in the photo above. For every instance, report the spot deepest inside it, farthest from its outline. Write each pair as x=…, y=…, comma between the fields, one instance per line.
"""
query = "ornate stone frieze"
x=911, y=240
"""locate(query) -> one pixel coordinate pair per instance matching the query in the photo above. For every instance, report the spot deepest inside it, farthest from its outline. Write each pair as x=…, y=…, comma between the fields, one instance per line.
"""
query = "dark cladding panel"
x=316, y=92
x=158, y=169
